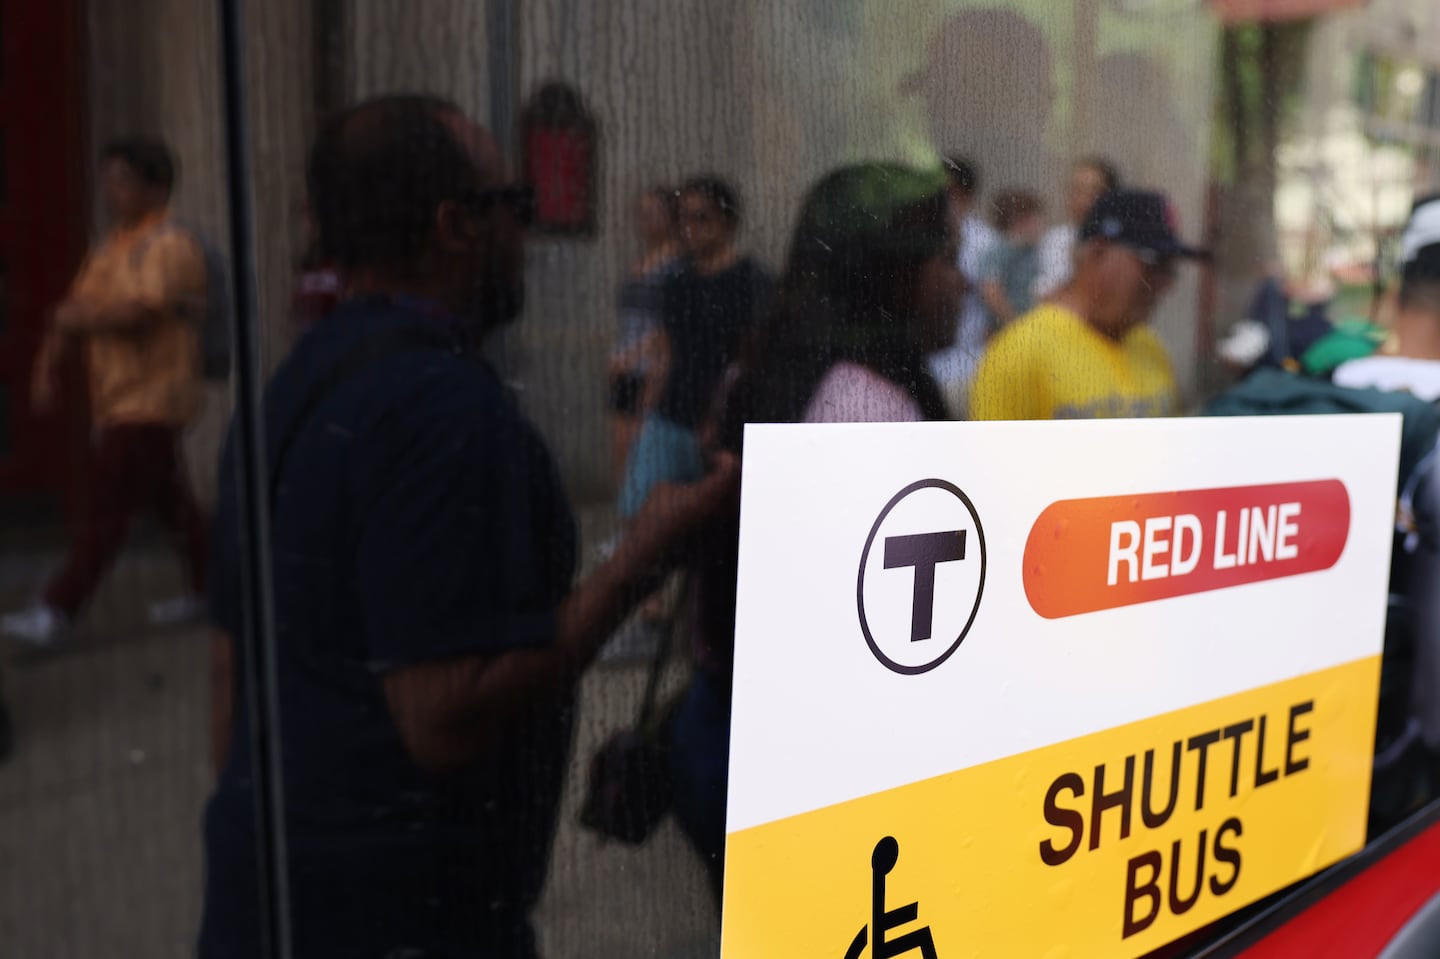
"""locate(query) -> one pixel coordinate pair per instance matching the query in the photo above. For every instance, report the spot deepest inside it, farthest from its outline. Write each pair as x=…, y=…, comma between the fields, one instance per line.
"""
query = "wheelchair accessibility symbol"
x=883, y=921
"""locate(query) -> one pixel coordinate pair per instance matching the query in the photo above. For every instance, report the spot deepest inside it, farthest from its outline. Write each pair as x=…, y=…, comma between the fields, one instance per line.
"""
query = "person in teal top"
x=1008, y=273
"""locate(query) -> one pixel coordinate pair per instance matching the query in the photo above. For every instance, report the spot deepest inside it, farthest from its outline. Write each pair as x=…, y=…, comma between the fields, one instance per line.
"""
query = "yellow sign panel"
x=1104, y=837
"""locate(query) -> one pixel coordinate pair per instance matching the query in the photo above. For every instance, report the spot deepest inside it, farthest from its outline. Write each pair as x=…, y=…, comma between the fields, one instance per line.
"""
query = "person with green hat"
x=870, y=289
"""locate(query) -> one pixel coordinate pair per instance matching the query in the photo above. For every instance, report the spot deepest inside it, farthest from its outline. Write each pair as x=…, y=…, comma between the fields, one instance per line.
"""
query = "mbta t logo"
x=921, y=576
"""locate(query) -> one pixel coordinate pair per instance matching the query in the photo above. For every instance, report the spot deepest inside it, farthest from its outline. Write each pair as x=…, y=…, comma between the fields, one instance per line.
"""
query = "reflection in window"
x=1020, y=97
x=5, y=438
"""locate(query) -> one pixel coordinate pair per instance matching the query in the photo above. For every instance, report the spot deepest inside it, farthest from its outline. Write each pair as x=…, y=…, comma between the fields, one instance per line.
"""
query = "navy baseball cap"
x=1139, y=219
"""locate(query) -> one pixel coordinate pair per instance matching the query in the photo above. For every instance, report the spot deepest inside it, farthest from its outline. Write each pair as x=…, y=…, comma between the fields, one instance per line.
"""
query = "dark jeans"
x=699, y=767
x=133, y=468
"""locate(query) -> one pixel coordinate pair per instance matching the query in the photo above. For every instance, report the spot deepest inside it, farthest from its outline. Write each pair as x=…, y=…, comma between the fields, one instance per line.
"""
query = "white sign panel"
x=1120, y=674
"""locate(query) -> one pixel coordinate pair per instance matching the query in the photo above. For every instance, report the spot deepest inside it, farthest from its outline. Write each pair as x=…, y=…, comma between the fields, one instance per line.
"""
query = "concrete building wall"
x=768, y=93
x=669, y=86
x=773, y=94
x=1411, y=26
x=441, y=50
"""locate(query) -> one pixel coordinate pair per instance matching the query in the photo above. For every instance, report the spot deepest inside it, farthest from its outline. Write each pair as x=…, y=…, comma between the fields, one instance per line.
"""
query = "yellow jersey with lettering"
x=1051, y=364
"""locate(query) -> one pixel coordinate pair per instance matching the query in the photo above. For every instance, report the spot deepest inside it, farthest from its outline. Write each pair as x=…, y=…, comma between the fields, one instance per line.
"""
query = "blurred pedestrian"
x=135, y=310
x=1007, y=275
x=870, y=289
x=428, y=634
x=1088, y=352
x=710, y=309
x=1090, y=177
x=640, y=311
x=1409, y=358
x=954, y=366
x=1285, y=319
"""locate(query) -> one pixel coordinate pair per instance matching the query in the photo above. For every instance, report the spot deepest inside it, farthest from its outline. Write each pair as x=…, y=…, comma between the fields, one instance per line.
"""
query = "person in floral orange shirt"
x=134, y=311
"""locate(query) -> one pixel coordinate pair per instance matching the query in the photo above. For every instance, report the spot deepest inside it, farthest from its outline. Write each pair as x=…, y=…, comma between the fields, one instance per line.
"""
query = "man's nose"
x=1158, y=279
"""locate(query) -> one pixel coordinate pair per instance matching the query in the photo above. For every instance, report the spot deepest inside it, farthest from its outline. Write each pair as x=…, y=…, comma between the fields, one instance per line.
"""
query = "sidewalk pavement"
x=100, y=806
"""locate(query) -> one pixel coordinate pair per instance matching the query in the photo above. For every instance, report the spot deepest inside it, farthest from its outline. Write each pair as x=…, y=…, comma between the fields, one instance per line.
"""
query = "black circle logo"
x=931, y=541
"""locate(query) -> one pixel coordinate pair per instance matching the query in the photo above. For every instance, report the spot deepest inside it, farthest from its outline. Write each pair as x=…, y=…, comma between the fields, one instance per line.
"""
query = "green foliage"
x=1261, y=73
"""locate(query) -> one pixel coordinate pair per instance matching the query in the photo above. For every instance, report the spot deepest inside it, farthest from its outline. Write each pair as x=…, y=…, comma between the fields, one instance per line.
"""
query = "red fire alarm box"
x=558, y=139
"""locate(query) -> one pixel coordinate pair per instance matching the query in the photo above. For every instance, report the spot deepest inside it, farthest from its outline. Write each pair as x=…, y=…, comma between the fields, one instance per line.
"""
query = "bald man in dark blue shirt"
x=428, y=633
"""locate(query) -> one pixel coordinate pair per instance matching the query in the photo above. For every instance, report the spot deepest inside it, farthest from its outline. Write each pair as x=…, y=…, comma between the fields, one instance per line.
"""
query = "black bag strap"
x=646, y=712
x=360, y=356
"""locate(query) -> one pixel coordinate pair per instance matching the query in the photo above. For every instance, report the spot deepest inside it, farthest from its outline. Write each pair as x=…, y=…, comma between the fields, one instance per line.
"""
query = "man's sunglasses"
x=698, y=216
x=520, y=198
x=1152, y=260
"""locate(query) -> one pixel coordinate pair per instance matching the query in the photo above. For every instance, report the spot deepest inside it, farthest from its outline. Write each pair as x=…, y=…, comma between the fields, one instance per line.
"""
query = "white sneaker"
x=188, y=608
x=39, y=626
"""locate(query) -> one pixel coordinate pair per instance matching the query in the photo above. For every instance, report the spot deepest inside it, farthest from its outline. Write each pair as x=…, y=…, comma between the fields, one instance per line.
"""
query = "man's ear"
x=456, y=228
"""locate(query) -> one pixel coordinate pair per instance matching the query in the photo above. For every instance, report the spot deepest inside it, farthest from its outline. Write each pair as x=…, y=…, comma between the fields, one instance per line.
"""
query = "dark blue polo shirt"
x=707, y=319
x=418, y=517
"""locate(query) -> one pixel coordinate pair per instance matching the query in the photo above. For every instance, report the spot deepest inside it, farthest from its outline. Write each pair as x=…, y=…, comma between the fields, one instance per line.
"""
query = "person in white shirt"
x=953, y=368
x=1409, y=360
x=1090, y=177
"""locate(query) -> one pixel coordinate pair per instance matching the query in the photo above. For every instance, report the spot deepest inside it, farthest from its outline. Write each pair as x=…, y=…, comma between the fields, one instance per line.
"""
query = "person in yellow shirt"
x=134, y=311
x=1088, y=352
